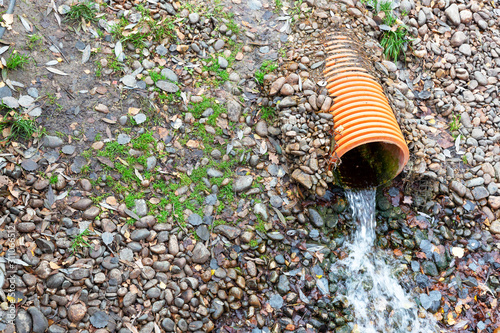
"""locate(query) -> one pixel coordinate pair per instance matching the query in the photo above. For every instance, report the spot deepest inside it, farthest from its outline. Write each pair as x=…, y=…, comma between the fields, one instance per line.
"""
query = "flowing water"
x=379, y=302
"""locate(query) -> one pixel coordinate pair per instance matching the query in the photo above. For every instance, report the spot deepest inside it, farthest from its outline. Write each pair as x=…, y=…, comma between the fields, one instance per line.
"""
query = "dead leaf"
x=131, y=328
x=133, y=111
x=53, y=265
x=398, y=253
x=8, y=19
x=408, y=200
x=193, y=144
x=55, y=71
x=138, y=174
x=111, y=201
x=273, y=158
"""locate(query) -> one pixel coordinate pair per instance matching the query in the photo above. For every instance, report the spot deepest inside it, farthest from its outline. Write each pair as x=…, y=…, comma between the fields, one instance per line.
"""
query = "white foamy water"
x=379, y=302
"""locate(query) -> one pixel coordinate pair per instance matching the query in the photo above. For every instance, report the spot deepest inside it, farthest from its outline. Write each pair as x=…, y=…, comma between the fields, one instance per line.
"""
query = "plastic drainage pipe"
x=10, y=10
x=369, y=147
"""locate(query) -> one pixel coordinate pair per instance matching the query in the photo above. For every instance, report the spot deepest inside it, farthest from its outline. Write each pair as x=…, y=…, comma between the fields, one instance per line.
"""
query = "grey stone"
x=40, y=322
x=123, y=139
x=56, y=329
x=458, y=187
x=495, y=227
x=453, y=14
x=36, y=112
x=167, y=86
x=24, y=324
x=430, y=268
x=169, y=74
x=161, y=50
x=276, y=301
x=481, y=78
x=168, y=325
x=150, y=163
x=55, y=281
x=200, y=253
x=233, y=111
x=68, y=149
x=458, y=39
x=474, y=182
x=194, y=18
x=203, y=233
x=195, y=219
x=229, y=231
x=45, y=246
x=242, y=183
x=261, y=128
x=10, y=102
x=127, y=254
x=223, y=63
x=139, y=234
x=465, y=49
x=140, y=118
x=260, y=209
x=140, y=208
x=129, y=81
x=287, y=102
x=25, y=101
x=52, y=141
x=480, y=192
x=219, y=44
x=316, y=218
x=214, y=173
x=5, y=92
x=405, y=6
x=173, y=245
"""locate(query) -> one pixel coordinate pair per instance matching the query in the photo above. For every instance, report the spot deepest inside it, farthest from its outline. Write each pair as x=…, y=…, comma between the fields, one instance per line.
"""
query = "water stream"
x=379, y=302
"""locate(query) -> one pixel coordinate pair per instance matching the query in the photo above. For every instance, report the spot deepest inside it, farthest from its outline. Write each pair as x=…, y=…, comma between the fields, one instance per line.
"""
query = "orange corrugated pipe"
x=369, y=148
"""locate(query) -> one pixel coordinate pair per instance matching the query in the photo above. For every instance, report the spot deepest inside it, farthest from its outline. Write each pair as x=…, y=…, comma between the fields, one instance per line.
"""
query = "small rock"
x=228, y=231
x=40, y=322
x=76, y=312
x=261, y=128
x=200, y=253
x=316, y=219
x=169, y=74
x=10, y=102
x=219, y=44
x=167, y=86
x=495, y=227
x=223, y=63
x=242, y=183
x=52, y=141
x=233, y=111
x=102, y=108
x=453, y=14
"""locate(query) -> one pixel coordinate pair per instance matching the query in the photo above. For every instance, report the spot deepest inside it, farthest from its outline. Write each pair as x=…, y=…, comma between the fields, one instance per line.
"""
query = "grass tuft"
x=394, y=42
x=20, y=126
x=85, y=11
x=17, y=60
x=267, y=67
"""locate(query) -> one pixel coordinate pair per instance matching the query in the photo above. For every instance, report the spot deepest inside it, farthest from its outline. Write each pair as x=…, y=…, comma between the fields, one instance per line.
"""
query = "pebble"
x=52, y=141
x=242, y=183
x=167, y=86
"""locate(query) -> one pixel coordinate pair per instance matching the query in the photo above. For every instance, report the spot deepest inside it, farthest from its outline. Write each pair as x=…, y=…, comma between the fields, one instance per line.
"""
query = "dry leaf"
x=111, y=201
x=55, y=71
x=53, y=265
x=273, y=158
x=193, y=144
x=8, y=19
x=133, y=111
x=138, y=174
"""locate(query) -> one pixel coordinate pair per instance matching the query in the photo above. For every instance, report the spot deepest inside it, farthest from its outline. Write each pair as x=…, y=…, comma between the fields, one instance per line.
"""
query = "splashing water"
x=379, y=302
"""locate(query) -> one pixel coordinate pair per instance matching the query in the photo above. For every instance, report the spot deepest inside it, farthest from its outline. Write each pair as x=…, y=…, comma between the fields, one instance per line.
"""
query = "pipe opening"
x=369, y=165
